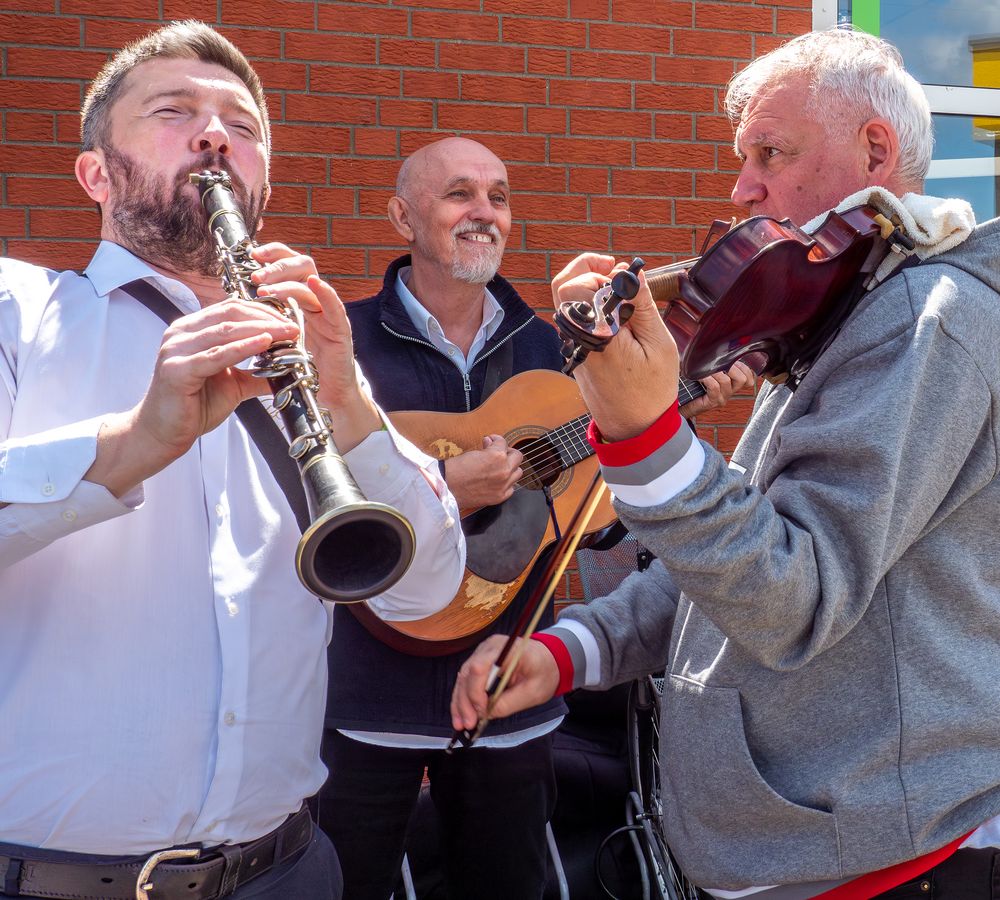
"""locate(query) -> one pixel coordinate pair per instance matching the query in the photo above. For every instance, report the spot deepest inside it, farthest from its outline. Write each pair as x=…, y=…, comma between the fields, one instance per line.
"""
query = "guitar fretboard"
x=570, y=440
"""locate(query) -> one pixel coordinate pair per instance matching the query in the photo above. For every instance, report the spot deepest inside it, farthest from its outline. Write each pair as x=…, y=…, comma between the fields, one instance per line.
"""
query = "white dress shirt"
x=162, y=669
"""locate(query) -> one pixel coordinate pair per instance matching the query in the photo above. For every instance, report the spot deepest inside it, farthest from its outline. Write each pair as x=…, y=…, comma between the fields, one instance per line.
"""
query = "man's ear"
x=399, y=215
x=880, y=145
x=92, y=174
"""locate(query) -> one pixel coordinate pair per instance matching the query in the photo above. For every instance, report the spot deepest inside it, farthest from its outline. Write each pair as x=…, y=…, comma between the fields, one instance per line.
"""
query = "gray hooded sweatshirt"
x=830, y=623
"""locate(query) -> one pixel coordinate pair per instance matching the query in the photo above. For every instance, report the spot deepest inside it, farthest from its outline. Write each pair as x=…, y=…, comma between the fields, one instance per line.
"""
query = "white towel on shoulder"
x=934, y=224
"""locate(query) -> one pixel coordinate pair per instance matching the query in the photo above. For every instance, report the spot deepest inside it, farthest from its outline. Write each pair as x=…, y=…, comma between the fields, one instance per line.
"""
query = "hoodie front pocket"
x=727, y=825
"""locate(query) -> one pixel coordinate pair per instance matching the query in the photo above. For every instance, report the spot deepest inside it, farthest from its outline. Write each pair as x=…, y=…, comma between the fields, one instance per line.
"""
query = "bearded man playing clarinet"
x=827, y=608
x=162, y=668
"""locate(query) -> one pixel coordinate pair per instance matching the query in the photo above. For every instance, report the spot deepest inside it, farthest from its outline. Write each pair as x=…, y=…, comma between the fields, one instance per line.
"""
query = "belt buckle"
x=143, y=884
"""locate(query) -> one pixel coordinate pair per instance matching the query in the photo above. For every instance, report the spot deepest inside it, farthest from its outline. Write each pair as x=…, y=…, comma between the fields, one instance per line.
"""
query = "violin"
x=763, y=289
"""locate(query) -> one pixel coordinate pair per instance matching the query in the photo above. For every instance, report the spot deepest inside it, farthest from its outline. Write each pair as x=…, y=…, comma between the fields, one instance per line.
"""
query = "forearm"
x=619, y=637
x=353, y=420
x=126, y=455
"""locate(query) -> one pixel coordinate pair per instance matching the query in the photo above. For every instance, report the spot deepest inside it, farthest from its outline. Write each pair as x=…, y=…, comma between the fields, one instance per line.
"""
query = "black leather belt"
x=209, y=873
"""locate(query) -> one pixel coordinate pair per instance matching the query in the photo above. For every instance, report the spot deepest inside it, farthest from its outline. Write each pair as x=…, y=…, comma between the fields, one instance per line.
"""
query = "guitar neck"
x=571, y=439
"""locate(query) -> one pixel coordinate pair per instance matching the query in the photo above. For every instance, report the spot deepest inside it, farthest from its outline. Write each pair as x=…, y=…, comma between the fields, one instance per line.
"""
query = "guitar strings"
x=571, y=437
x=576, y=435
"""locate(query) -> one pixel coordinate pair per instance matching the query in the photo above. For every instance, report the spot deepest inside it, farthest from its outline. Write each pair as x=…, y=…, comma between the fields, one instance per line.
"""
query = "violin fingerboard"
x=688, y=390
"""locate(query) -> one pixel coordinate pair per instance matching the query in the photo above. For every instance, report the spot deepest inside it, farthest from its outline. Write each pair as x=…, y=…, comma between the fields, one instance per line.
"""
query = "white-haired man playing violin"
x=827, y=609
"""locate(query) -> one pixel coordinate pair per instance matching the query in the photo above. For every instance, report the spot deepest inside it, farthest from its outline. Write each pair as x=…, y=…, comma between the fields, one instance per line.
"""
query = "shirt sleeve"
x=616, y=638
x=391, y=470
x=42, y=495
x=41, y=481
x=652, y=467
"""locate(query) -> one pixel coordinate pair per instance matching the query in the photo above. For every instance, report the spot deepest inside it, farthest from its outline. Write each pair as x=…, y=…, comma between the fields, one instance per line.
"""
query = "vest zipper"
x=406, y=337
x=483, y=356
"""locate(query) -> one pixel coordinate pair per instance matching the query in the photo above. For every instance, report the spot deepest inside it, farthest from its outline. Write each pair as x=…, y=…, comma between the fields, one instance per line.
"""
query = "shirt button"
x=48, y=489
x=219, y=511
x=229, y=718
x=69, y=515
x=232, y=607
x=383, y=469
x=451, y=352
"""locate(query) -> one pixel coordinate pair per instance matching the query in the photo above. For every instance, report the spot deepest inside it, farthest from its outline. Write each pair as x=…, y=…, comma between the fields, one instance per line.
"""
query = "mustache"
x=157, y=217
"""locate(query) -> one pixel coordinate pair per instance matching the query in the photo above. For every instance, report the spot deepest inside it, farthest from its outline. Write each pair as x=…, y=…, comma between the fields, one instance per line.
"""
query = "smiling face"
x=454, y=209
x=176, y=116
x=794, y=166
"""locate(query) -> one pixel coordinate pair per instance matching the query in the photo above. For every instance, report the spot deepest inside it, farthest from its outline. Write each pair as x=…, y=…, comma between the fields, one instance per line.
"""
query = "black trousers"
x=965, y=875
x=493, y=805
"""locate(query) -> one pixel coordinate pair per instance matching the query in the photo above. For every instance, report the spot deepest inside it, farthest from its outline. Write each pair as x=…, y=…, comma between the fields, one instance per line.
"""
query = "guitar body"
x=542, y=414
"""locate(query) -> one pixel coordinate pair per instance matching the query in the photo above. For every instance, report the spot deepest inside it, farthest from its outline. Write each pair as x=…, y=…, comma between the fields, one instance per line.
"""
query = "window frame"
x=946, y=99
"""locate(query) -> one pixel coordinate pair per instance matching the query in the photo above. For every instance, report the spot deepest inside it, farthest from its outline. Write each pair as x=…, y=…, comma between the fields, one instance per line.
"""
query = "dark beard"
x=174, y=234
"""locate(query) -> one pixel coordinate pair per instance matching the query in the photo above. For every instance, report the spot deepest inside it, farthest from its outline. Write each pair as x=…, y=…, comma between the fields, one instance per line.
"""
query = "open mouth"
x=476, y=237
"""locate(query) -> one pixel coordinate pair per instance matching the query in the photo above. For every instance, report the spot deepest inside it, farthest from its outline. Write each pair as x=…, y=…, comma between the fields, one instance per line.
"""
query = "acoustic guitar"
x=542, y=414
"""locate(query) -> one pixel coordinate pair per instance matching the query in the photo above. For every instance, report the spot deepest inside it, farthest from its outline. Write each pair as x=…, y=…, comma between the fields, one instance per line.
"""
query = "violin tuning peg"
x=626, y=283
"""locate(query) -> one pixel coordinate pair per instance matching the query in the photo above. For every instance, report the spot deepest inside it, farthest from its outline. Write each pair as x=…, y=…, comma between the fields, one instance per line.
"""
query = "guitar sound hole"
x=541, y=464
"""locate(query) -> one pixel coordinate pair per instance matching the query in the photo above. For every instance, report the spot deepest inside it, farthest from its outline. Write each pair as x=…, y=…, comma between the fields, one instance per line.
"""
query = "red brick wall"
x=607, y=113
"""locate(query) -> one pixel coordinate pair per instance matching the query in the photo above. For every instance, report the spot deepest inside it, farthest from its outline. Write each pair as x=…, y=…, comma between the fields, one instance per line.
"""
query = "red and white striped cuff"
x=653, y=467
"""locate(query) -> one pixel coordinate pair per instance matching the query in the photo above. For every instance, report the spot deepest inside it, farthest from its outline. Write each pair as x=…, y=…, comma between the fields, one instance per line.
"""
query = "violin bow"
x=506, y=663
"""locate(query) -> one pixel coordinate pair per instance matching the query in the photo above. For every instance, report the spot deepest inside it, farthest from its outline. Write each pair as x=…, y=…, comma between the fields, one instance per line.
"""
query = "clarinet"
x=353, y=548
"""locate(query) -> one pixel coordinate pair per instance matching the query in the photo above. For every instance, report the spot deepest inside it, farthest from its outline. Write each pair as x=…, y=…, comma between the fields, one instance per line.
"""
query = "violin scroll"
x=588, y=327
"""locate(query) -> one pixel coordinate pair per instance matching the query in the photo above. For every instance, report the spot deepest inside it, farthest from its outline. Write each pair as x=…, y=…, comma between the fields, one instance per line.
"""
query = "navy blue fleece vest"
x=372, y=687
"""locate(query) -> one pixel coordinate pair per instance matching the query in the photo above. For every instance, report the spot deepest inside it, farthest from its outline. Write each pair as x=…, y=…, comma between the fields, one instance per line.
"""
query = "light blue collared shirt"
x=431, y=329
